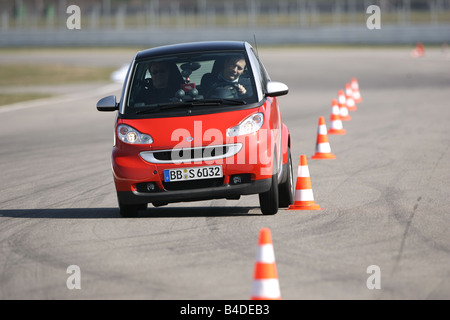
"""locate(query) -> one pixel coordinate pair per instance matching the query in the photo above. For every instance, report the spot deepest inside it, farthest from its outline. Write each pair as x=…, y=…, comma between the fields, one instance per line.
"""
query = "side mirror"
x=275, y=89
x=108, y=104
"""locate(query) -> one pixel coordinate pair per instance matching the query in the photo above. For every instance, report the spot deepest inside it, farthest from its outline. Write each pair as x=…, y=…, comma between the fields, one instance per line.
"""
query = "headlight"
x=130, y=135
x=249, y=125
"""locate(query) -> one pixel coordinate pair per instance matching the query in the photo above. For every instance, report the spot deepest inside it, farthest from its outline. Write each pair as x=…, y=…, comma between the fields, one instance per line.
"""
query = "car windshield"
x=190, y=80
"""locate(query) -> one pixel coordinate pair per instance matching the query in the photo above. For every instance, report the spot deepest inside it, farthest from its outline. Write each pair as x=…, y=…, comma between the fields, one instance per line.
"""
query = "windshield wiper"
x=163, y=106
x=224, y=101
x=191, y=103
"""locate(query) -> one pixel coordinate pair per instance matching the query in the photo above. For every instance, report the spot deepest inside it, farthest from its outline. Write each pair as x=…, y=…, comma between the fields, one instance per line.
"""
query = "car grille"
x=191, y=154
x=207, y=153
x=194, y=184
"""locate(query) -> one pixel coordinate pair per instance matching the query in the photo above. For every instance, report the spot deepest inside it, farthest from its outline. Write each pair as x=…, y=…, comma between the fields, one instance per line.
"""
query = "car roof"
x=200, y=46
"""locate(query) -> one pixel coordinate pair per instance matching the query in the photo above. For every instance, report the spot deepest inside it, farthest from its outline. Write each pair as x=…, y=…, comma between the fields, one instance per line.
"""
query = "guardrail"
x=148, y=37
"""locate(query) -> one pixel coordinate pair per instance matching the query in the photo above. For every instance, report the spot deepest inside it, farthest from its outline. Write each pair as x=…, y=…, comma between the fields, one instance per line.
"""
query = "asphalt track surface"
x=385, y=197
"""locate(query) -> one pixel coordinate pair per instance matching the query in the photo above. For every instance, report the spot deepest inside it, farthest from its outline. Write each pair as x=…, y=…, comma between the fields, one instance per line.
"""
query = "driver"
x=231, y=74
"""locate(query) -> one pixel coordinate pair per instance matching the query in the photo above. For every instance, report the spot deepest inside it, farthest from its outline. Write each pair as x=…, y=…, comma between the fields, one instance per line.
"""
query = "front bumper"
x=220, y=192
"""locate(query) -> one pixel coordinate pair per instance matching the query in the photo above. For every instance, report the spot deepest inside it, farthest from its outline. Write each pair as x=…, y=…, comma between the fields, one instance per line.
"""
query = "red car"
x=199, y=121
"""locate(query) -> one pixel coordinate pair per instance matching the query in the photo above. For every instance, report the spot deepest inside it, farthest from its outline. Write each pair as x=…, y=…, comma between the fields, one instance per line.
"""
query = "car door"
x=275, y=114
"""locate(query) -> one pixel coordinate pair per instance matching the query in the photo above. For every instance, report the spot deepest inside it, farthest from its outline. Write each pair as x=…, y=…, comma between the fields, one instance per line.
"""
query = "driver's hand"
x=241, y=89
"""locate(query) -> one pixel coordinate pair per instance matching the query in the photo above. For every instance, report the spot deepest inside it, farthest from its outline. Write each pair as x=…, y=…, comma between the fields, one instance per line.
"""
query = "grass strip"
x=6, y=99
x=29, y=75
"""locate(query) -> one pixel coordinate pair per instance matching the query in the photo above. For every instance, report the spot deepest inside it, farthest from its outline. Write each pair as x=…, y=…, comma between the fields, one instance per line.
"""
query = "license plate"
x=184, y=174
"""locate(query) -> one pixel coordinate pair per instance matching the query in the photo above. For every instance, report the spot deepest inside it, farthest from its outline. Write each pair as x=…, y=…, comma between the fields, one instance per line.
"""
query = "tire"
x=159, y=204
x=286, y=190
x=268, y=200
x=131, y=210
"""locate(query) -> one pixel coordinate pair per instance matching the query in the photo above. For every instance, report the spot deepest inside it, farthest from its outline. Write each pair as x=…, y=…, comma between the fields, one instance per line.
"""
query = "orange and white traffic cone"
x=356, y=93
x=334, y=108
x=304, y=197
x=323, y=149
x=419, y=51
x=336, y=123
x=351, y=105
x=343, y=110
x=265, y=284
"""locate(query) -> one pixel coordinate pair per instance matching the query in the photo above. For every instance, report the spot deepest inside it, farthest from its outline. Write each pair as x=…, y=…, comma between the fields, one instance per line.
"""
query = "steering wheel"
x=224, y=90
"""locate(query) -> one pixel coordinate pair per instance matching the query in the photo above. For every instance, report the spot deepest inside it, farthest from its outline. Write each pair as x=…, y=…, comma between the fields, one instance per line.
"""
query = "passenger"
x=165, y=81
x=160, y=75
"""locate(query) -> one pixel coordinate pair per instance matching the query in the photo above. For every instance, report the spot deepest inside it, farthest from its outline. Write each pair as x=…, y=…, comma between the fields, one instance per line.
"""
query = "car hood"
x=189, y=131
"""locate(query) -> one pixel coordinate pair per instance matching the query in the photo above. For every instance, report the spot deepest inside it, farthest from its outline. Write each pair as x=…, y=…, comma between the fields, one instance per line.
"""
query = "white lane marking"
x=97, y=92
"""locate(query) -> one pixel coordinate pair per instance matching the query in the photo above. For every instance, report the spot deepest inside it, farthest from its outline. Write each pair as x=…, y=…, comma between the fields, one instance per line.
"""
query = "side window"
x=140, y=80
x=264, y=76
x=261, y=75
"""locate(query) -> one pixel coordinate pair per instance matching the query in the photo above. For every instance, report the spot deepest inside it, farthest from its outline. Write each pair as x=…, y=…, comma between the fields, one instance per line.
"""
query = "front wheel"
x=268, y=200
x=286, y=190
